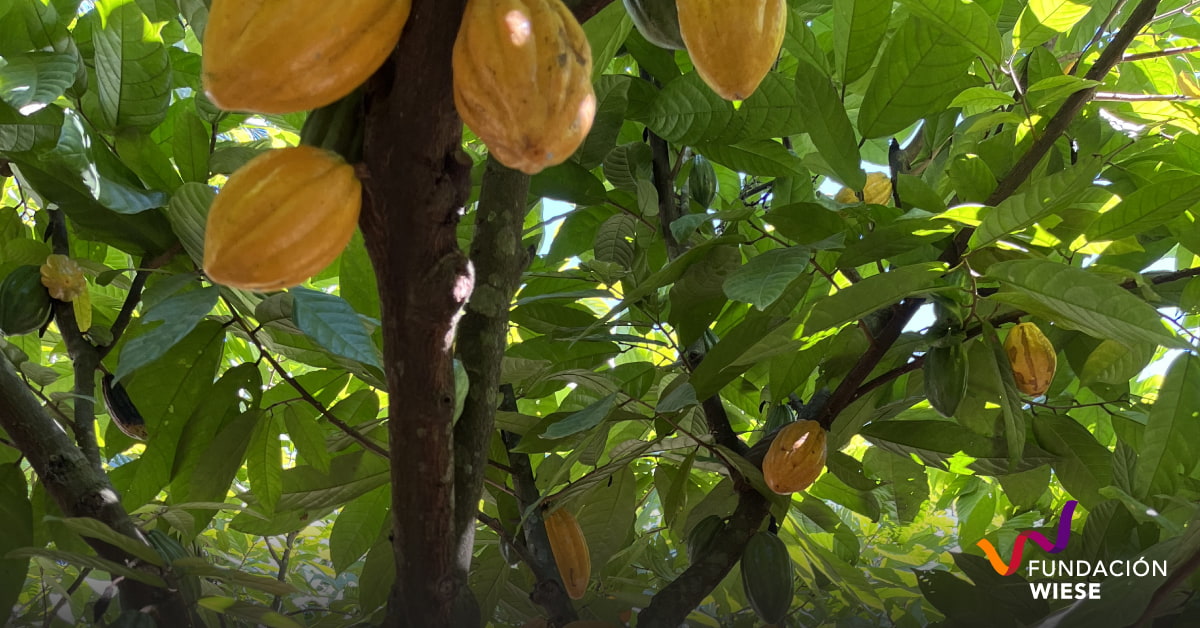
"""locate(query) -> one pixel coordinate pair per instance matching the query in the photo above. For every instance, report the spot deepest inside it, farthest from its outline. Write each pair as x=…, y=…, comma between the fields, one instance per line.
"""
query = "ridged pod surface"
x=767, y=577
x=278, y=57
x=945, y=371
x=733, y=43
x=523, y=80
x=281, y=218
x=877, y=191
x=657, y=21
x=1032, y=358
x=24, y=302
x=796, y=457
x=570, y=551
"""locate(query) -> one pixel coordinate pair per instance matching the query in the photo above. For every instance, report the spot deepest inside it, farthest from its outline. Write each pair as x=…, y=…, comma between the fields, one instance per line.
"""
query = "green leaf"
x=307, y=436
x=195, y=566
x=330, y=322
x=763, y=279
x=1169, y=444
x=828, y=125
x=357, y=527
x=686, y=111
x=133, y=70
x=38, y=131
x=582, y=420
x=937, y=442
x=1146, y=208
x=84, y=560
x=17, y=514
x=1084, y=466
x=1010, y=397
x=905, y=479
x=858, y=30
x=568, y=182
x=606, y=31
x=36, y=78
x=96, y=529
x=919, y=74
x=179, y=315
x=1080, y=300
x=856, y=301
x=967, y=21
x=188, y=212
x=254, y=614
x=264, y=462
x=1043, y=19
x=190, y=147
x=764, y=158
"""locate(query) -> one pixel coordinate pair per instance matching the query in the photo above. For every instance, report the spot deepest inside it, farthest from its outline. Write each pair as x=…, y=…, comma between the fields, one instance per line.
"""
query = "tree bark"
x=80, y=489
x=417, y=180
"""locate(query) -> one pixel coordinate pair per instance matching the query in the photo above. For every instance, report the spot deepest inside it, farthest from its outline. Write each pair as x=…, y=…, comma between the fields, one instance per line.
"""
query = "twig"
x=308, y=397
x=1165, y=52
x=1118, y=97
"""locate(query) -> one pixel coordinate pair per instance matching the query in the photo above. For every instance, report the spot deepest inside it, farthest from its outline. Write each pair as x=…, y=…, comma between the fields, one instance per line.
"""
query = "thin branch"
x=288, y=543
x=1100, y=32
x=1165, y=52
x=126, y=314
x=308, y=397
x=1119, y=97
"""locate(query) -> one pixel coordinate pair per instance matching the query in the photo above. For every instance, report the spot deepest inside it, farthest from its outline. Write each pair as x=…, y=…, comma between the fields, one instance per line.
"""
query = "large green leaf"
x=1171, y=440
x=858, y=30
x=357, y=527
x=967, y=21
x=179, y=315
x=826, y=122
x=1084, y=466
x=1079, y=300
x=36, y=78
x=918, y=74
x=133, y=70
x=763, y=279
x=330, y=322
x=1146, y=208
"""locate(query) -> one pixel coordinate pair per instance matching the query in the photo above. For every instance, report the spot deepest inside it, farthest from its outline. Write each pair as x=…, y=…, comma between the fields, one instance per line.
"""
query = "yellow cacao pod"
x=523, y=80
x=796, y=457
x=733, y=43
x=570, y=551
x=278, y=57
x=281, y=218
x=1032, y=358
x=63, y=278
x=878, y=190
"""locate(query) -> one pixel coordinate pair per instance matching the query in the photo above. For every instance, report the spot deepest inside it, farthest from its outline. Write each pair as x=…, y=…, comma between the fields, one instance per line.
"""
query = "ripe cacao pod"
x=767, y=577
x=702, y=182
x=733, y=43
x=1032, y=358
x=280, y=57
x=281, y=218
x=795, y=458
x=877, y=191
x=570, y=551
x=946, y=377
x=700, y=540
x=657, y=21
x=24, y=302
x=523, y=80
x=63, y=277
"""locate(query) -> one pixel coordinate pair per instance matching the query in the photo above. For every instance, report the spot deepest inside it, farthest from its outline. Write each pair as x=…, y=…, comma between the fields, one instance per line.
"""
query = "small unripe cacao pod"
x=279, y=57
x=570, y=551
x=523, y=80
x=281, y=218
x=63, y=277
x=733, y=43
x=700, y=540
x=946, y=377
x=1032, y=358
x=657, y=21
x=795, y=458
x=24, y=302
x=702, y=182
x=767, y=577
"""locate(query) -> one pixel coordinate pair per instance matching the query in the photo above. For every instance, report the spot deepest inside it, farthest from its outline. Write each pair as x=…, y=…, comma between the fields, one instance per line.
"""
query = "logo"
x=1060, y=543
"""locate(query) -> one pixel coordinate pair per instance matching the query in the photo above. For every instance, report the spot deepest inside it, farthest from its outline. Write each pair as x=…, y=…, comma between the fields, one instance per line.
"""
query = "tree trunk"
x=417, y=180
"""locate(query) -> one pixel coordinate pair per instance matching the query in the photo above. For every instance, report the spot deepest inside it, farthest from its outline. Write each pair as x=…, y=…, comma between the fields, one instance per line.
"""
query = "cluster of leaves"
x=647, y=301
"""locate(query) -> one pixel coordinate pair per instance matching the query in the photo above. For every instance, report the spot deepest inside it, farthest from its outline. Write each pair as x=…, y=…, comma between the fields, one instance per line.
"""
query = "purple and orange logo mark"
x=1060, y=543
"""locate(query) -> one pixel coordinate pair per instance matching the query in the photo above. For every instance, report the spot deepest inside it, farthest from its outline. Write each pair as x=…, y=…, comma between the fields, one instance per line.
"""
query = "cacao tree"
x=826, y=353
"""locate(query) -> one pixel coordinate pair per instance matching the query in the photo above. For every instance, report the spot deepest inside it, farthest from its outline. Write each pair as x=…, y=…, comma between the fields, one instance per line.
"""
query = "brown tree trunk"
x=417, y=179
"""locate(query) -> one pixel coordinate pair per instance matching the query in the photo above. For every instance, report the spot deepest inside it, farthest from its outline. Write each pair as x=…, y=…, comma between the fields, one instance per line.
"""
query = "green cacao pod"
x=702, y=182
x=24, y=301
x=795, y=458
x=1032, y=358
x=767, y=577
x=777, y=417
x=946, y=377
x=657, y=21
x=700, y=540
